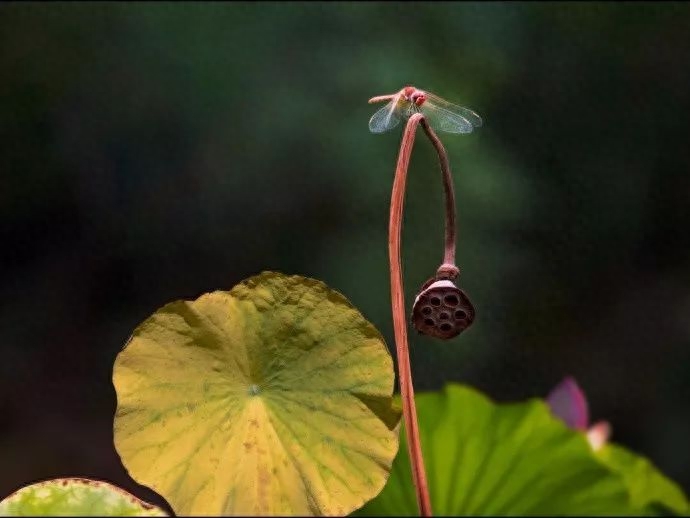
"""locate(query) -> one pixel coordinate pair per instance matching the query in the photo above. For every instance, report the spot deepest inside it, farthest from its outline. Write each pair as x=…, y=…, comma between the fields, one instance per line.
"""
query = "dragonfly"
x=442, y=115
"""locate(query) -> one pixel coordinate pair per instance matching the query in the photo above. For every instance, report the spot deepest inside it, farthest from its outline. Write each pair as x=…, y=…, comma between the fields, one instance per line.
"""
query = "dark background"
x=152, y=152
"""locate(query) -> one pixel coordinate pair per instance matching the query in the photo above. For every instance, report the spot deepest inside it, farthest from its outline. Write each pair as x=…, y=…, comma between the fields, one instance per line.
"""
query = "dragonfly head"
x=411, y=94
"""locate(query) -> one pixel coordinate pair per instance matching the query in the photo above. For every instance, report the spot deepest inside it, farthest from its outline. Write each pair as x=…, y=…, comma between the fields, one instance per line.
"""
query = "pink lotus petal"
x=568, y=402
x=598, y=434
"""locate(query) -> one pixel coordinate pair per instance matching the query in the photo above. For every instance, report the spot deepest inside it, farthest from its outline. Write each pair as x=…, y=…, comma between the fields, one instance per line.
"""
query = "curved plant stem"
x=399, y=323
x=450, y=234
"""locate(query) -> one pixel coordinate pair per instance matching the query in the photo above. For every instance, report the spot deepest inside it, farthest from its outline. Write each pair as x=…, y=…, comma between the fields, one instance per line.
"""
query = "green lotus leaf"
x=484, y=458
x=75, y=497
x=646, y=485
x=272, y=398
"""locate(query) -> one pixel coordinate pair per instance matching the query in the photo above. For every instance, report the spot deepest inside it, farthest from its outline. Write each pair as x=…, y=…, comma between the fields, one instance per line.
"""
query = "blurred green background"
x=152, y=152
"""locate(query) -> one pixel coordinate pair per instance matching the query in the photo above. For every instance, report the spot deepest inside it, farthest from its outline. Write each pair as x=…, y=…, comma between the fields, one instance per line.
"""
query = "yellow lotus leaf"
x=271, y=399
x=75, y=497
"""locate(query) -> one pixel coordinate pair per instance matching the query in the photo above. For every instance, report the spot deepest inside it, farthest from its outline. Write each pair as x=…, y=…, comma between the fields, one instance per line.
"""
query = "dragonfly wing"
x=408, y=109
x=444, y=120
x=384, y=119
x=465, y=113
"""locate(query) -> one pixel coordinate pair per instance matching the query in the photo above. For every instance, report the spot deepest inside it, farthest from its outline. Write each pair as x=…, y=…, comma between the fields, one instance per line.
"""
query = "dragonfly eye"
x=418, y=99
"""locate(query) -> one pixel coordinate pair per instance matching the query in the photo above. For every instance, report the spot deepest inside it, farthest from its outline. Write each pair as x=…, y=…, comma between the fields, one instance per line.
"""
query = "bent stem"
x=399, y=325
x=448, y=269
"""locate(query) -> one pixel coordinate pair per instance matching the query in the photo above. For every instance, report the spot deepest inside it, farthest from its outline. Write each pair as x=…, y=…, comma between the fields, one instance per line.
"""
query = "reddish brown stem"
x=399, y=323
x=448, y=268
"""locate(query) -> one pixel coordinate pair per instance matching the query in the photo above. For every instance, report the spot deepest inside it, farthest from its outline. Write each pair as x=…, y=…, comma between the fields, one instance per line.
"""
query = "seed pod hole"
x=426, y=310
x=460, y=314
x=451, y=300
x=435, y=301
x=429, y=321
x=444, y=316
x=446, y=327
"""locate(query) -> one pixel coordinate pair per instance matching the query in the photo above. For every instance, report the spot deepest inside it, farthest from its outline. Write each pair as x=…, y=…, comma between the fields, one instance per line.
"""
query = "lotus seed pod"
x=442, y=310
